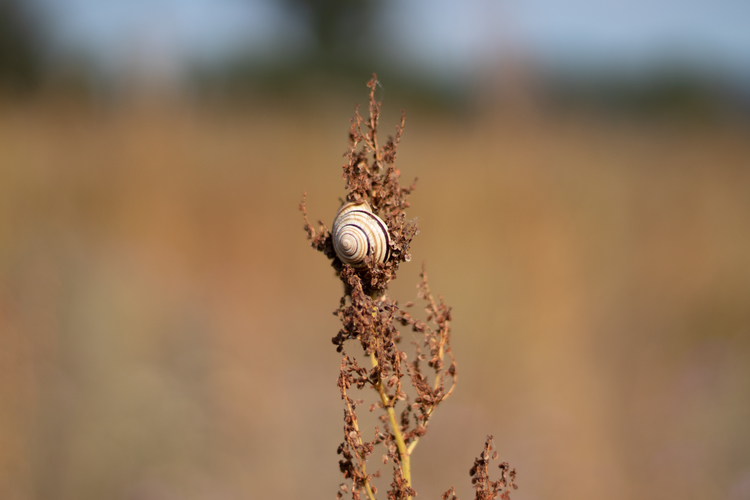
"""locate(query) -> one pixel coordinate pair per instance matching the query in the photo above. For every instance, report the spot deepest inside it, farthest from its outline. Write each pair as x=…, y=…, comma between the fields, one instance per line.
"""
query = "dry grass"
x=164, y=333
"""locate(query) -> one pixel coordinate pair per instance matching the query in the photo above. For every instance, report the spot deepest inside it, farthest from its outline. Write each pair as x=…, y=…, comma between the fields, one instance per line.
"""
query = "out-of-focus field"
x=165, y=328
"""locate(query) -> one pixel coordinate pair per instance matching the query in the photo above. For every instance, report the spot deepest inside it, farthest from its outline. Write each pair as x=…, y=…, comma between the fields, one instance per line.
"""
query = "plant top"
x=407, y=391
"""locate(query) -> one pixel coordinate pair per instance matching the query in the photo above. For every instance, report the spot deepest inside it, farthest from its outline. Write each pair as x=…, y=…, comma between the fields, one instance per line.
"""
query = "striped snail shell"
x=357, y=232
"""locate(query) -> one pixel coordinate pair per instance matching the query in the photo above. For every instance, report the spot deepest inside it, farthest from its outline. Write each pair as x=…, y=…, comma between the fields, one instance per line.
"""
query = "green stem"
x=403, y=452
x=360, y=458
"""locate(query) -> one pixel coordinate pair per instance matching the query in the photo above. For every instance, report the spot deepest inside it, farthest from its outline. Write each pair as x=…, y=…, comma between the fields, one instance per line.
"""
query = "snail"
x=357, y=232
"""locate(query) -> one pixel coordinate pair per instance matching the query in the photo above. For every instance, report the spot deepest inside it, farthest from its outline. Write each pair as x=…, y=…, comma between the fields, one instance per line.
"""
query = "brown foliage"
x=369, y=316
x=371, y=176
x=486, y=488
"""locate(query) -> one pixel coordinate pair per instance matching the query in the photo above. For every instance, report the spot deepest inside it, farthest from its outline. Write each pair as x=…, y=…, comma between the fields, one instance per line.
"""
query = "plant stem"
x=364, y=470
x=360, y=459
x=403, y=452
x=441, y=354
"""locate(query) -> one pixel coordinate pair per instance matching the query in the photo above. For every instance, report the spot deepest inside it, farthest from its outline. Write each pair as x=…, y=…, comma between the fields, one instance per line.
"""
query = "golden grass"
x=163, y=335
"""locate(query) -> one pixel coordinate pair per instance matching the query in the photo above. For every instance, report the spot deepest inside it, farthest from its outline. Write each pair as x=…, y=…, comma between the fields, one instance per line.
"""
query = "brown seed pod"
x=357, y=232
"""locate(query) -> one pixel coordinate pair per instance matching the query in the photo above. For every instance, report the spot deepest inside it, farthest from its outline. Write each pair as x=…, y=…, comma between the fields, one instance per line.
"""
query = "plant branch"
x=403, y=451
x=360, y=458
x=369, y=317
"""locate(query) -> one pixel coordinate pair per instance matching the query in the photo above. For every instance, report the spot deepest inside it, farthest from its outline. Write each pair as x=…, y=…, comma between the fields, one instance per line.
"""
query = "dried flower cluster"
x=371, y=176
x=370, y=317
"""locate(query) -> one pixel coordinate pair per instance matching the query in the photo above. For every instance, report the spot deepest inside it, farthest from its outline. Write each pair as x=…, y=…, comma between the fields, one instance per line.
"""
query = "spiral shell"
x=357, y=232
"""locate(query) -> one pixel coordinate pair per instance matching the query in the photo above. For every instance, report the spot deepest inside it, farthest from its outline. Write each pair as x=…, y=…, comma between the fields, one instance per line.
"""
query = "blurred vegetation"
x=681, y=93
x=342, y=53
x=340, y=27
x=163, y=328
x=21, y=46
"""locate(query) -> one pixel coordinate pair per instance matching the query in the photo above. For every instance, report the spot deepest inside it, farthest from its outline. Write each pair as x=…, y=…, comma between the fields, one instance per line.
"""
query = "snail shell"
x=357, y=232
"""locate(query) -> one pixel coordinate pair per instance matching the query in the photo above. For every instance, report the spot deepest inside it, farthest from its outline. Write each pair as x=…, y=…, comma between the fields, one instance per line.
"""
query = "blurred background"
x=584, y=204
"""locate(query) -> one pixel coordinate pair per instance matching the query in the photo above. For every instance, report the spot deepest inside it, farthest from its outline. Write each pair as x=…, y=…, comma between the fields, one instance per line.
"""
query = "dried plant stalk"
x=370, y=317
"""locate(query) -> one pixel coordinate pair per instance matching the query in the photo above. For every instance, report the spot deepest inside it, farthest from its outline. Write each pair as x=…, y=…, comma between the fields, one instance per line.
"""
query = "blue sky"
x=447, y=37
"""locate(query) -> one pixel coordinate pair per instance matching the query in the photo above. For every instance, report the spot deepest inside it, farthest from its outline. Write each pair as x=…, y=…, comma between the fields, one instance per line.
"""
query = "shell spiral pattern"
x=357, y=232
